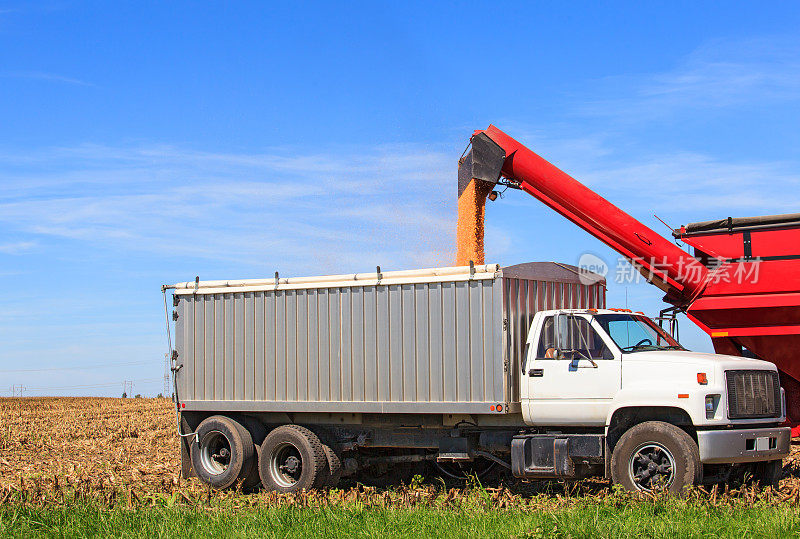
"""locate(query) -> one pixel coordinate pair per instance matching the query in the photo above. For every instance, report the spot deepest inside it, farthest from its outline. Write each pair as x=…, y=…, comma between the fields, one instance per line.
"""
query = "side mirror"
x=576, y=362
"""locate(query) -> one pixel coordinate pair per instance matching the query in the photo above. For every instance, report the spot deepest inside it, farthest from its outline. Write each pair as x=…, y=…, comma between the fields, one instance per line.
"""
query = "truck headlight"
x=711, y=406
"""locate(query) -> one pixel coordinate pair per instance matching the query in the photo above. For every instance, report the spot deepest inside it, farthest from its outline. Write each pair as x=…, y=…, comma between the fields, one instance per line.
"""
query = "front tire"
x=654, y=456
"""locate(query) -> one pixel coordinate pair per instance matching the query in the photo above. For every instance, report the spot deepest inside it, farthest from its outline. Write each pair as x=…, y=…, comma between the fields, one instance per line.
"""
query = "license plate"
x=762, y=444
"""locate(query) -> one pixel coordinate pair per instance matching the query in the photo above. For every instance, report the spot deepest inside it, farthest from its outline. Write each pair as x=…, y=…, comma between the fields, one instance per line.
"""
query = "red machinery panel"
x=742, y=286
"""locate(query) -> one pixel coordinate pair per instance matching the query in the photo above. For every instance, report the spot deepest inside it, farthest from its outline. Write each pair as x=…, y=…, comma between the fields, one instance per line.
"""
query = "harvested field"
x=54, y=451
x=115, y=442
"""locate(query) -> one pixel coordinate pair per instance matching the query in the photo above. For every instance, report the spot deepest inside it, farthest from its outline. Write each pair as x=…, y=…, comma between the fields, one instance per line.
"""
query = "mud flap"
x=186, y=459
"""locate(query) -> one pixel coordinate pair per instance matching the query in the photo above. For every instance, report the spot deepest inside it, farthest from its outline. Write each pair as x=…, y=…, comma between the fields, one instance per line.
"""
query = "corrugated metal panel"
x=523, y=298
x=436, y=342
x=378, y=347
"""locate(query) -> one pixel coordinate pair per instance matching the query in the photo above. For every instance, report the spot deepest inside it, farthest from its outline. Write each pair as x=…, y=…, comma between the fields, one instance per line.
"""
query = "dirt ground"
x=126, y=443
x=112, y=441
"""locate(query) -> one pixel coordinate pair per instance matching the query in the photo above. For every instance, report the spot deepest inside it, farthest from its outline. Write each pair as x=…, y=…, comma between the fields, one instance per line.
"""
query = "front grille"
x=753, y=394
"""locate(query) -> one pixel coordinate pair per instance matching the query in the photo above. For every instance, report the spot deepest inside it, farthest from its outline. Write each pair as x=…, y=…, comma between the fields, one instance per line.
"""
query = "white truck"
x=668, y=416
x=294, y=383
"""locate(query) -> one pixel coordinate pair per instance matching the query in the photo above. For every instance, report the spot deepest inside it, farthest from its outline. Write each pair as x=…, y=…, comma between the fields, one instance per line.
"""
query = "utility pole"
x=127, y=387
x=16, y=391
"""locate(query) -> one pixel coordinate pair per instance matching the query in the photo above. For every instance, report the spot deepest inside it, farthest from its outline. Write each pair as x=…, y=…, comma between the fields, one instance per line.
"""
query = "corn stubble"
x=112, y=452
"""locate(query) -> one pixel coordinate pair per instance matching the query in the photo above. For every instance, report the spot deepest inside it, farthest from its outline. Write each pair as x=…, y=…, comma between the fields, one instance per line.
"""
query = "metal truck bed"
x=445, y=340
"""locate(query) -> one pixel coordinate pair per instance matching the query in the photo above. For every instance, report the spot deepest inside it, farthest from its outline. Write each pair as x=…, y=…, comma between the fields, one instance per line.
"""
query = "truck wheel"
x=252, y=479
x=768, y=473
x=334, y=467
x=655, y=456
x=222, y=452
x=292, y=459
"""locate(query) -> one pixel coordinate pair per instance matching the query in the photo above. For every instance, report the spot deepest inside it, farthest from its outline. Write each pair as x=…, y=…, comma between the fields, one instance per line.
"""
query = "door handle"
x=536, y=373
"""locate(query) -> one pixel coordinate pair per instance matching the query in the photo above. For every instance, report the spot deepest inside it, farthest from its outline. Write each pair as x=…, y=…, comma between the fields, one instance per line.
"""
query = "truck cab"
x=663, y=410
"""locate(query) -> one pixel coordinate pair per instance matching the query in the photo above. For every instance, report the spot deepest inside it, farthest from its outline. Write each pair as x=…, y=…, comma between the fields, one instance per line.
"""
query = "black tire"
x=654, y=456
x=256, y=429
x=222, y=452
x=251, y=479
x=768, y=473
x=334, y=468
x=292, y=459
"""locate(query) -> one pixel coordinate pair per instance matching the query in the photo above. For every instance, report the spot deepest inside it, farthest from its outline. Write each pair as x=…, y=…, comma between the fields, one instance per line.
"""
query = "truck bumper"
x=745, y=445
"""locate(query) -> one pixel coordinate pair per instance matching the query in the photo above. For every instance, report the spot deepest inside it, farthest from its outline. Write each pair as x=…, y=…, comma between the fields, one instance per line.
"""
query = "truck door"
x=571, y=374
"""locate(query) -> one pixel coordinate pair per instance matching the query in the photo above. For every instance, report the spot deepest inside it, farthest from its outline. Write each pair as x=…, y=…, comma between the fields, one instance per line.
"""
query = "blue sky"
x=145, y=143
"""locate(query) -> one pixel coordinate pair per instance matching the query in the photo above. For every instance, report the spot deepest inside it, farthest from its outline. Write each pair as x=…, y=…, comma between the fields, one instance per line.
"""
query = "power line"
x=81, y=367
x=87, y=386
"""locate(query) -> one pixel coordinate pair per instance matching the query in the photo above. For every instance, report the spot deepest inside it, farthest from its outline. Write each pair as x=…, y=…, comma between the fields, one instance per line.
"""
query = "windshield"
x=636, y=333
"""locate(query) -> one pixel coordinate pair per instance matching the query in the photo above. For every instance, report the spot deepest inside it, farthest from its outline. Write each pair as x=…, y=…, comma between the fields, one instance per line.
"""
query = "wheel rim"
x=286, y=465
x=652, y=467
x=215, y=452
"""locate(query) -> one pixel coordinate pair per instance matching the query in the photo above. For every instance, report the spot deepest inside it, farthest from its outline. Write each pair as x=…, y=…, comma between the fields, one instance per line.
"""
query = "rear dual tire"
x=223, y=453
x=292, y=459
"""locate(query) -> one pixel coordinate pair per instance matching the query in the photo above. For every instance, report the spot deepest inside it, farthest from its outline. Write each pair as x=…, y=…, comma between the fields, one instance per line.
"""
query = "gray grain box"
x=446, y=340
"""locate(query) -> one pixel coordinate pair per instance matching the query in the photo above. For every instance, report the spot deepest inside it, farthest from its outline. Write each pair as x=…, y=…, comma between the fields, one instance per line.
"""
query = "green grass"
x=668, y=518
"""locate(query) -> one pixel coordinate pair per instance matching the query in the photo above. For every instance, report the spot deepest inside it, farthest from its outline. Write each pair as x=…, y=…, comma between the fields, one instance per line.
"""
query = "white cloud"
x=700, y=183
x=393, y=204
x=719, y=74
x=680, y=182
x=16, y=248
x=47, y=77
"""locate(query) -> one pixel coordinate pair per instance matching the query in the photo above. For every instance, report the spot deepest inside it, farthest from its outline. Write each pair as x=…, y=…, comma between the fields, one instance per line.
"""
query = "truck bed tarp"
x=552, y=271
x=762, y=221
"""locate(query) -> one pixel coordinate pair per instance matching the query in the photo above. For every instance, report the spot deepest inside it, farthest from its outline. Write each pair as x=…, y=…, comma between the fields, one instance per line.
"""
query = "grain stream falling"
x=470, y=227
